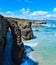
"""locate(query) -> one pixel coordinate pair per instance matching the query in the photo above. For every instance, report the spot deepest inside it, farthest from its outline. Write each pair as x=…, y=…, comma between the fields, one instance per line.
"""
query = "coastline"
x=44, y=52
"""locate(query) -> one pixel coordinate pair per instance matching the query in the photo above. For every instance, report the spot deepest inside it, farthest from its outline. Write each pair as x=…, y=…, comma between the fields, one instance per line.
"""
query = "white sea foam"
x=31, y=44
x=49, y=25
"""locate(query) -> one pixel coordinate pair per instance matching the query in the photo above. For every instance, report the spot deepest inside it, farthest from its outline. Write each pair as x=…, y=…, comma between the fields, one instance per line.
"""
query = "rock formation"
x=18, y=51
x=3, y=33
x=26, y=30
x=18, y=30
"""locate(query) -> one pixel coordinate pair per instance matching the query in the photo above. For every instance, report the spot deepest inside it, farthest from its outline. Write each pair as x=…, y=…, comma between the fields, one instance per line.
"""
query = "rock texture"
x=3, y=34
x=18, y=51
x=18, y=30
x=26, y=30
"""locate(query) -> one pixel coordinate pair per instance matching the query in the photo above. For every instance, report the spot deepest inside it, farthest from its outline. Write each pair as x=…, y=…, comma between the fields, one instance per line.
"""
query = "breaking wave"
x=49, y=25
x=31, y=44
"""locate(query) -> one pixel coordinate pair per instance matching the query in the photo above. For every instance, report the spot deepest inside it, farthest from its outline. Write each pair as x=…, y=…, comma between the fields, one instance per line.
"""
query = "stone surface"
x=26, y=30
x=3, y=34
x=18, y=51
x=18, y=30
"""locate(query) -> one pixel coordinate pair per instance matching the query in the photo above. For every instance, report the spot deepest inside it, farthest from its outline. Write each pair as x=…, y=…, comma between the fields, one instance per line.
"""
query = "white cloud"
x=39, y=13
x=25, y=11
x=9, y=12
x=54, y=10
x=28, y=14
x=51, y=15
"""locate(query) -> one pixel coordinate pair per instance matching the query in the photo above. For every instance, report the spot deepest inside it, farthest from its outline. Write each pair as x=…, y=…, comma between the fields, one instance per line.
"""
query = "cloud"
x=42, y=15
x=9, y=12
x=54, y=10
x=12, y=13
x=26, y=13
x=51, y=16
x=39, y=13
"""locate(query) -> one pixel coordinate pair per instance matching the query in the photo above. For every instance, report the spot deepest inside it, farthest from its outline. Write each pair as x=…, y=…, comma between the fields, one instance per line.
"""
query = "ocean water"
x=44, y=43
x=7, y=53
x=41, y=50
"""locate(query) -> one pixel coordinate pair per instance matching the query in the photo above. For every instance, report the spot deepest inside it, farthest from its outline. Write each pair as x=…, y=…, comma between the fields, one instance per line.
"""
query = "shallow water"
x=7, y=53
x=44, y=44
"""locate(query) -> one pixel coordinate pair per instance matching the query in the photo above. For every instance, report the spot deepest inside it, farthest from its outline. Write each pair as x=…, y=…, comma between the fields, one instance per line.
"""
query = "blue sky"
x=29, y=9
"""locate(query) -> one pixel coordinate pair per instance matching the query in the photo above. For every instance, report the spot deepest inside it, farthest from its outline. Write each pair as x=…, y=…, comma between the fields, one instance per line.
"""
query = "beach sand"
x=36, y=57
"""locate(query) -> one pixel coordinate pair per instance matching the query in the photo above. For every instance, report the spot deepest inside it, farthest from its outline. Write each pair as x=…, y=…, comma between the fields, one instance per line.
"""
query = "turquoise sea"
x=43, y=45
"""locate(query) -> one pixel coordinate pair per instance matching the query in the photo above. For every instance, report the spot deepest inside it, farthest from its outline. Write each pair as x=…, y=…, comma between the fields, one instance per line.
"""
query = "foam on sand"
x=35, y=57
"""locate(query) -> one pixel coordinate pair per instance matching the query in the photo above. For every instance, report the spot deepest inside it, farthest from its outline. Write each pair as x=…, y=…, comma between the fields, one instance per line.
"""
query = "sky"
x=29, y=9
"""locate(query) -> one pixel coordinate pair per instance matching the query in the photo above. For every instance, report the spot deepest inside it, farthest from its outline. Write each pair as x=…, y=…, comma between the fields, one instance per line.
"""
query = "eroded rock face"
x=18, y=51
x=26, y=30
x=3, y=34
x=17, y=30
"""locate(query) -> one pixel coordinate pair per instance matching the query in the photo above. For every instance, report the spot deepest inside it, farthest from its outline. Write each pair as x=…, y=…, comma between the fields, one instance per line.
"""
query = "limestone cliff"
x=18, y=30
x=18, y=51
x=3, y=33
x=26, y=30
